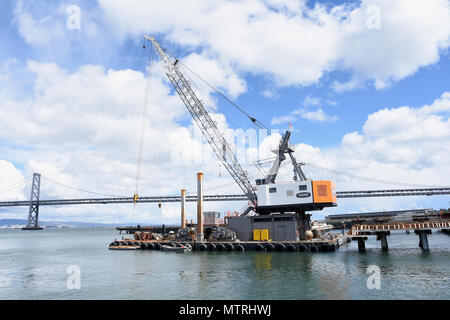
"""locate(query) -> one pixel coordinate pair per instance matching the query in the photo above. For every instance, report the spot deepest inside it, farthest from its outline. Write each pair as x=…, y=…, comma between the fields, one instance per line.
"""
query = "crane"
x=264, y=197
x=284, y=147
x=202, y=118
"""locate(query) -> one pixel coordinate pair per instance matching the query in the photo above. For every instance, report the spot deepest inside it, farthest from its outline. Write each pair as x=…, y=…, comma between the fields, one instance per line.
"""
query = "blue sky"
x=340, y=72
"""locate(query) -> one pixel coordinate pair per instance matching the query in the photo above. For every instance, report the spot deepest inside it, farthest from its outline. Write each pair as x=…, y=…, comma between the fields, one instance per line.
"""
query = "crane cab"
x=295, y=196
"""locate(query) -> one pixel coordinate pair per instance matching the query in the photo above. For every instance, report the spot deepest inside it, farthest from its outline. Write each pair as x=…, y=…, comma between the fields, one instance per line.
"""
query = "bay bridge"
x=38, y=199
x=223, y=197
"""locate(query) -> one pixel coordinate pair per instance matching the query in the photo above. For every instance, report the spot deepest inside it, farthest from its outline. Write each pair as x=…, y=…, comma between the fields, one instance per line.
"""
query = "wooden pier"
x=359, y=232
x=390, y=226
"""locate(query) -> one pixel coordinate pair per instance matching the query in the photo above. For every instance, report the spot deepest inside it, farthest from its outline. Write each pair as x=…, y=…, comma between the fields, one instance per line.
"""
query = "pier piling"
x=384, y=243
x=199, y=206
x=361, y=244
x=183, y=207
x=423, y=239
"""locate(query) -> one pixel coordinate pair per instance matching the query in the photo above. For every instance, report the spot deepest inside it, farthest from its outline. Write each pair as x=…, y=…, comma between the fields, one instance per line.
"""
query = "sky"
x=364, y=85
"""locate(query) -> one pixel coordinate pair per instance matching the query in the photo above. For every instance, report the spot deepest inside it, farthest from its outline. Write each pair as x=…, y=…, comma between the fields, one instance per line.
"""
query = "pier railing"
x=391, y=226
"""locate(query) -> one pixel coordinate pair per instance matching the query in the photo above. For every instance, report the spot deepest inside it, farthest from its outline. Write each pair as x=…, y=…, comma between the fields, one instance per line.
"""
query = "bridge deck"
x=227, y=197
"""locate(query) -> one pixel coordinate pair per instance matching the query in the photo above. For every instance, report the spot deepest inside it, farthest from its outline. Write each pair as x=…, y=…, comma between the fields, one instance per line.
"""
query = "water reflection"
x=262, y=261
x=5, y=279
x=304, y=262
x=335, y=286
x=31, y=277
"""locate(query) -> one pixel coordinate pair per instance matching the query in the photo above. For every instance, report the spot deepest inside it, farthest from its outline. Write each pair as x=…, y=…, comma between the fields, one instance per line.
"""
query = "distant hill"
x=9, y=222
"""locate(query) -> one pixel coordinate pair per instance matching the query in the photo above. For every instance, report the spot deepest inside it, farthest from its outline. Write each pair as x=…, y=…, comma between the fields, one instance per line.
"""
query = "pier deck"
x=370, y=229
x=421, y=227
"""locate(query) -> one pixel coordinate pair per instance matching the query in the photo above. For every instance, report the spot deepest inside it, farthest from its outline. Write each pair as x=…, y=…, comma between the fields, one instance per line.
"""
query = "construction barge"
x=316, y=245
x=276, y=232
x=275, y=217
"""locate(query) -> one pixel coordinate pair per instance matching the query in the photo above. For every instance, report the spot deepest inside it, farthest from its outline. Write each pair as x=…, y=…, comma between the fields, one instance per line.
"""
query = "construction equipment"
x=299, y=195
x=267, y=196
x=221, y=233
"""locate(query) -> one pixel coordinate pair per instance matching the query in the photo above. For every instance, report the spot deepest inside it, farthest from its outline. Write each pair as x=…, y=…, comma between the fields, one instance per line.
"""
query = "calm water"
x=33, y=265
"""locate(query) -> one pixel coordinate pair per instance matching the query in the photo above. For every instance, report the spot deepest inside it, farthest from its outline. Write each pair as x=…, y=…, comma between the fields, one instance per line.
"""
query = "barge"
x=274, y=232
x=316, y=245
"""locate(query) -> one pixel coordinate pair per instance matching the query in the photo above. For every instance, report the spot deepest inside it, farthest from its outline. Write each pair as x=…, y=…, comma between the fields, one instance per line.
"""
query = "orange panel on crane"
x=324, y=192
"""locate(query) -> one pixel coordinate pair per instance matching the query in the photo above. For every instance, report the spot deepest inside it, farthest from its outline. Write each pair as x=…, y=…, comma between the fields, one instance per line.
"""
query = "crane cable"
x=143, y=126
x=258, y=123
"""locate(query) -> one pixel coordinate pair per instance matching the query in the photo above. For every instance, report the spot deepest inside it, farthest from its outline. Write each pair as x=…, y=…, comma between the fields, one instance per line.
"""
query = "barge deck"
x=314, y=245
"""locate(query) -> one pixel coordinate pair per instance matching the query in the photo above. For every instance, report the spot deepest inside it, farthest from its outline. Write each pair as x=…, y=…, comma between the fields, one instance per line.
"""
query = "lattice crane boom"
x=220, y=146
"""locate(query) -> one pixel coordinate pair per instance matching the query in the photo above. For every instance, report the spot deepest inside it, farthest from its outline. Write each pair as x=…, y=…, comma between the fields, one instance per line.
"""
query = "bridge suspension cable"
x=18, y=185
x=83, y=190
x=350, y=175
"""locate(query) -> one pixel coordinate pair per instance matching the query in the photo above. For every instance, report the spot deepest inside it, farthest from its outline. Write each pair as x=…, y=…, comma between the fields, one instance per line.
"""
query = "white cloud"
x=81, y=128
x=311, y=101
x=403, y=144
x=317, y=116
x=7, y=81
x=38, y=32
x=11, y=176
x=296, y=44
x=270, y=93
x=412, y=34
x=220, y=76
x=352, y=84
x=283, y=119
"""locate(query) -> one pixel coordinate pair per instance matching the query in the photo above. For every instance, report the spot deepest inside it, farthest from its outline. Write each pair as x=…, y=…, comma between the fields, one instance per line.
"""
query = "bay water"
x=43, y=264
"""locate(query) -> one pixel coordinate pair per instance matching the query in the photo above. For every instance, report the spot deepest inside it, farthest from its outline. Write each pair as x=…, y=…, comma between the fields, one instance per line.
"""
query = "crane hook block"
x=159, y=205
x=135, y=198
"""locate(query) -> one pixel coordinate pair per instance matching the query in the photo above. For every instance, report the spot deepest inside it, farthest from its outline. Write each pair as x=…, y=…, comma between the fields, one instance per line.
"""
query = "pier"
x=350, y=219
x=360, y=232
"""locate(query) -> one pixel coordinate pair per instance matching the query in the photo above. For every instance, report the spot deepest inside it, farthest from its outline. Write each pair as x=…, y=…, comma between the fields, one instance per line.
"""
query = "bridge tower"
x=33, y=212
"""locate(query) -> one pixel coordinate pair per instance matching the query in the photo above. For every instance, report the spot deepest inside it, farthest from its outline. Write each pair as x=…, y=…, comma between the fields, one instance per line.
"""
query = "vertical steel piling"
x=199, y=206
x=183, y=207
